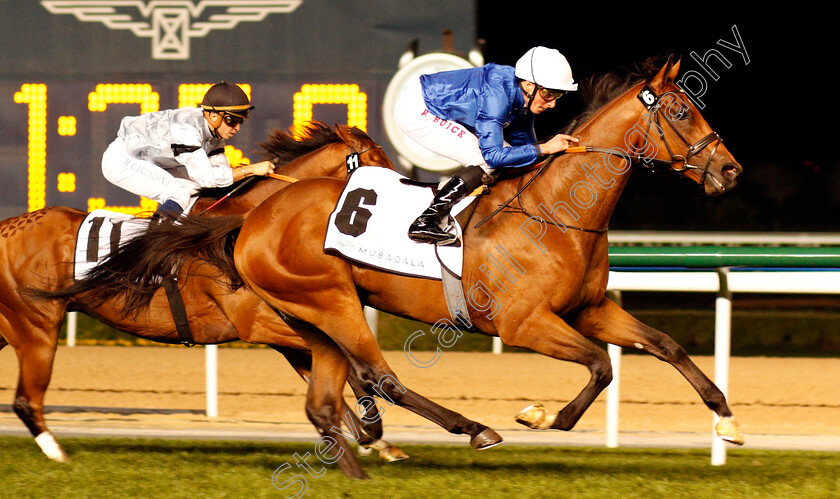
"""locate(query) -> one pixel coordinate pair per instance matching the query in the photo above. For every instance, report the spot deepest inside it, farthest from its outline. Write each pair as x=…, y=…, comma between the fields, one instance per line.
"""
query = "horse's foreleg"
x=36, y=361
x=610, y=323
x=372, y=416
x=545, y=333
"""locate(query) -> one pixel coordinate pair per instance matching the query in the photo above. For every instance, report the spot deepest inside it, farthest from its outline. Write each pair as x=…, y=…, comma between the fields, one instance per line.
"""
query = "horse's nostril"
x=730, y=170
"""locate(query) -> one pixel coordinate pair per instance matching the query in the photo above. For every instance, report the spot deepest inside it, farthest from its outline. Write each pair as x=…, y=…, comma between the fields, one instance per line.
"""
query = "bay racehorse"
x=535, y=263
x=535, y=273
x=36, y=251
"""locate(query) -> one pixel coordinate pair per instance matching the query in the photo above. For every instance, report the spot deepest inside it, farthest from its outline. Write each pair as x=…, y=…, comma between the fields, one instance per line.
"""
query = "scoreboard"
x=76, y=125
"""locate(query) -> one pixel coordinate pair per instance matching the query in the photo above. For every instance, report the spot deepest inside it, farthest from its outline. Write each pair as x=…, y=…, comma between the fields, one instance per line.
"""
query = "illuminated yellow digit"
x=191, y=94
x=35, y=96
x=146, y=206
x=330, y=94
x=123, y=93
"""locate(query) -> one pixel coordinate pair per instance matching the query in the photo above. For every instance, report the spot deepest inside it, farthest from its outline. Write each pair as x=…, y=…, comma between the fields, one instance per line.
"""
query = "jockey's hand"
x=262, y=168
x=243, y=171
x=558, y=143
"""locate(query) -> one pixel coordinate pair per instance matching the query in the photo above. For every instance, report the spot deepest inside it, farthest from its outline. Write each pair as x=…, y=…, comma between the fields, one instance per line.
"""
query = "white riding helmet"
x=547, y=68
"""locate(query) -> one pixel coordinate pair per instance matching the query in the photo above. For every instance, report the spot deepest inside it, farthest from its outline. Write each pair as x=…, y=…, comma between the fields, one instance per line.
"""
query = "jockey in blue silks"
x=483, y=118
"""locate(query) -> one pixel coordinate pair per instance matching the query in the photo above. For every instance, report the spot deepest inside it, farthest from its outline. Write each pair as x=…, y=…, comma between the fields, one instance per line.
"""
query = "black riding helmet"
x=227, y=98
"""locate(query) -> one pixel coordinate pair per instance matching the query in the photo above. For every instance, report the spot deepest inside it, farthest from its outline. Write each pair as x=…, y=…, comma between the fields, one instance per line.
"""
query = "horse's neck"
x=324, y=162
x=584, y=188
x=328, y=161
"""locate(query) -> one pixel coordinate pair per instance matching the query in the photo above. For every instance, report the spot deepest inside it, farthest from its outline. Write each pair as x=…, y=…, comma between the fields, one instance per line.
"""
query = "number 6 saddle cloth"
x=370, y=225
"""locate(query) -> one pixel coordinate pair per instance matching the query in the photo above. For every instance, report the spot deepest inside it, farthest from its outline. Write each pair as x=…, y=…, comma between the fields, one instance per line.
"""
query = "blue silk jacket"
x=488, y=102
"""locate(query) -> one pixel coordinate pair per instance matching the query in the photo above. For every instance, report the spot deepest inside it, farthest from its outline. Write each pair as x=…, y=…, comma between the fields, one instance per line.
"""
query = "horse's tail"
x=134, y=272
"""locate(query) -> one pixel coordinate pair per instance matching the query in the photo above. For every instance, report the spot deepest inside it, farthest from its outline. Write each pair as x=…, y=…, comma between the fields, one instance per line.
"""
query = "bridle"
x=693, y=149
x=678, y=163
x=353, y=160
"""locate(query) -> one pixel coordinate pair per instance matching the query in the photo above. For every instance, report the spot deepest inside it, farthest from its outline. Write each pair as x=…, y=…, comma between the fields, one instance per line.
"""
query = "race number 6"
x=648, y=97
x=352, y=219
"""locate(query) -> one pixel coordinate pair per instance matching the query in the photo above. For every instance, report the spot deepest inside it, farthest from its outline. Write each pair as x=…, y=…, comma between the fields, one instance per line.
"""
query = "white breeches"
x=447, y=138
x=144, y=178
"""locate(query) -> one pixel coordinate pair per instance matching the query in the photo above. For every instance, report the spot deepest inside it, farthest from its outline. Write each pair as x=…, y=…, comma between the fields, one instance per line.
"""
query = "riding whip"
x=229, y=194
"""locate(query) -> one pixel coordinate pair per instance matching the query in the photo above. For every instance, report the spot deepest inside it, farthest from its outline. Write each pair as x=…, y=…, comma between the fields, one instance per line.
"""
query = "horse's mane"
x=284, y=146
x=599, y=90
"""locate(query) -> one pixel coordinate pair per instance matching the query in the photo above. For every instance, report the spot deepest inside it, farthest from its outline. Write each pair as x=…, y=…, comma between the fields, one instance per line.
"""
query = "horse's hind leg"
x=286, y=267
x=36, y=361
x=377, y=378
x=370, y=424
x=341, y=317
x=325, y=403
x=610, y=323
x=301, y=362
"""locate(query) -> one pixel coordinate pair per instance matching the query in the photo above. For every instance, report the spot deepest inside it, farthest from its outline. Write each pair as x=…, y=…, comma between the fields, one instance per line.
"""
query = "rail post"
x=723, y=331
x=613, y=389
x=72, y=321
x=211, y=373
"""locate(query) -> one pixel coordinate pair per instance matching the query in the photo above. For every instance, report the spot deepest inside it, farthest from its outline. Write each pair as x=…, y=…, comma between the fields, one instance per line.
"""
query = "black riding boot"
x=426, y=228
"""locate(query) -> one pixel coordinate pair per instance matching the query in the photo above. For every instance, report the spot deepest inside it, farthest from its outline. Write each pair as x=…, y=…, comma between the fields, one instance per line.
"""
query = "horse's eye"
x=680, y=114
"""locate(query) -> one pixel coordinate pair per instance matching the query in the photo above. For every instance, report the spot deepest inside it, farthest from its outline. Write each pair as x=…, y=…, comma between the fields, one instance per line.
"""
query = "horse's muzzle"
x=724, y=181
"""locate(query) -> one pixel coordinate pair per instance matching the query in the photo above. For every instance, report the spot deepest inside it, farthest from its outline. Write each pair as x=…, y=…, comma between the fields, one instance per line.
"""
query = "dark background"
x=777, y=114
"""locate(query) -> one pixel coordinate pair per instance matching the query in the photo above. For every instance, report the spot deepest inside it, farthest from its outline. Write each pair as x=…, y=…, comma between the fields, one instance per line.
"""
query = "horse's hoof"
x=729, y=430
x=535, y=417
x=60, y=458
x=387, y=452
x=392, y=454
x=486, y=439
x=50, y=447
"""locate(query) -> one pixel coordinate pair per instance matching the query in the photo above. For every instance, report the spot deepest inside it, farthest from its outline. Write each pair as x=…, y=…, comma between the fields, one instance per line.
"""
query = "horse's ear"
x=346, y=135
x=667, y=72
x=675, y=70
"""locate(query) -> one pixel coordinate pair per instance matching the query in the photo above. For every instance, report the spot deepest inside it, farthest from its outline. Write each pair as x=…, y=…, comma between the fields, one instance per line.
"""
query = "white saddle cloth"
x=100, y=232
x=370, y=225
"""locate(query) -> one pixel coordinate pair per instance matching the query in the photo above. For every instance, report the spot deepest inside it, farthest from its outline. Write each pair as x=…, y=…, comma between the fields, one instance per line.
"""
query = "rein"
x=523, y=210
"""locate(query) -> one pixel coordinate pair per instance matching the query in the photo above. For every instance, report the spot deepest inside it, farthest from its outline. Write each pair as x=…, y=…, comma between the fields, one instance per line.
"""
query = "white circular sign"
x=403, y=78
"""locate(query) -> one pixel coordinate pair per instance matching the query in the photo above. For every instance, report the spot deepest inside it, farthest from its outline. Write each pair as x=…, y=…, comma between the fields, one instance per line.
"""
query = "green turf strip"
x=107, y=467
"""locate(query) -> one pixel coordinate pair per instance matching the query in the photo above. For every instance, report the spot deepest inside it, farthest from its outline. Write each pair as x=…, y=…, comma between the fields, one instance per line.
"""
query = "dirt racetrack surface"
x=259, y=390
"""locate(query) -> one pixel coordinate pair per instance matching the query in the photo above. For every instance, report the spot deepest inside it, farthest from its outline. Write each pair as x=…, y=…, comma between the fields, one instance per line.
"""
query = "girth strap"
x=179, y=312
